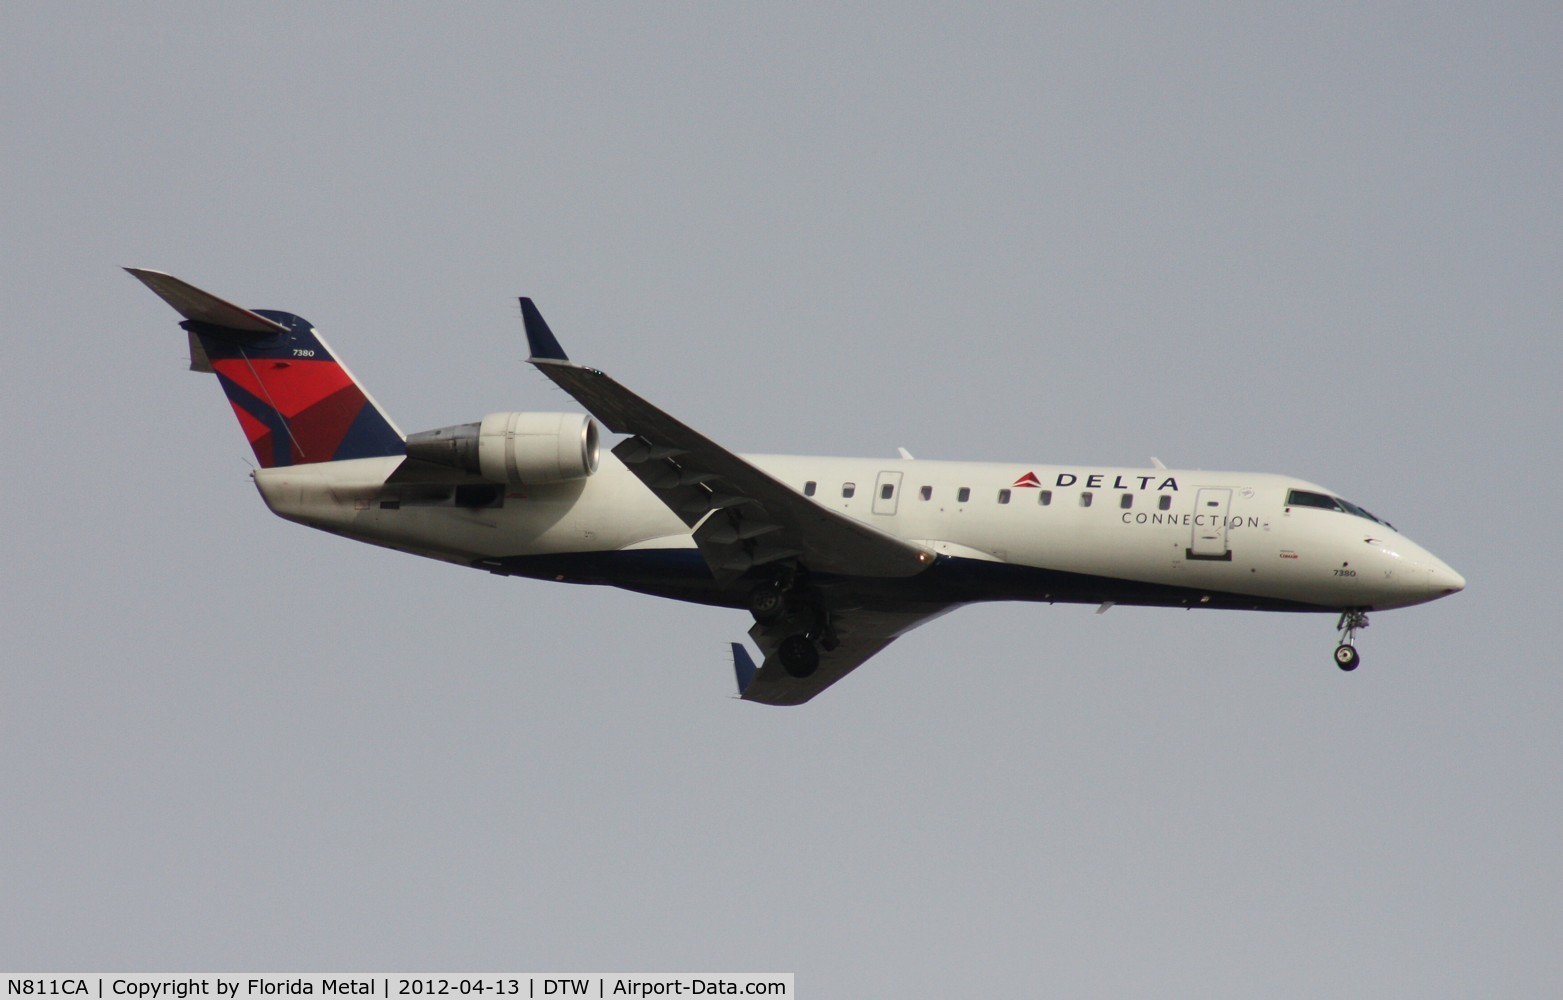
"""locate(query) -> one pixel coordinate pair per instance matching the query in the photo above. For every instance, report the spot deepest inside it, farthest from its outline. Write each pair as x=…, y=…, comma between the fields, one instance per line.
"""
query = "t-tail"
x=296, y=402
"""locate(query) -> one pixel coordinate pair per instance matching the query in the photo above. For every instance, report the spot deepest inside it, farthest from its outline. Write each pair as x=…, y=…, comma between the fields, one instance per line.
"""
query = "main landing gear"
x=790, y=605
x=1346, y=656
x=768, y=603
x=799, y=656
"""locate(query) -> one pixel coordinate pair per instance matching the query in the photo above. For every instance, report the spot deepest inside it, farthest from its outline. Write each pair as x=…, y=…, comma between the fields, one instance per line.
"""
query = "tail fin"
x=295, y=401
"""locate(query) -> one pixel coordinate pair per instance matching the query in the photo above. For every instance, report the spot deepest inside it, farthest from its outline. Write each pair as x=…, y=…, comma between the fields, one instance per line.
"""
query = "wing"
x=741, y=517
x=861, y=632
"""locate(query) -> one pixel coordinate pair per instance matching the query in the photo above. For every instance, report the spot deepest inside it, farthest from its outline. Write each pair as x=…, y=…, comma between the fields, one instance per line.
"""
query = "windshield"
x=1306, y=498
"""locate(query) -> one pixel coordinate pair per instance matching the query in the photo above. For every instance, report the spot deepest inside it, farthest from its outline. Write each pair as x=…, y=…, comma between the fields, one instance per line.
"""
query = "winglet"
x=743, y=667
x=538, y=337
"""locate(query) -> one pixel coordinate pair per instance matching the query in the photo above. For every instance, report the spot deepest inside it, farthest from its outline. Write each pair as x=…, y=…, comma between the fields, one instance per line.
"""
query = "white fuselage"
x=834, y=558
x=1226, y=535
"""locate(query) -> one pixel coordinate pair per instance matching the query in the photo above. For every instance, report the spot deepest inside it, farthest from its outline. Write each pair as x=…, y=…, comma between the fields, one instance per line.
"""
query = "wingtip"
x=540, y=339
x=743, y=667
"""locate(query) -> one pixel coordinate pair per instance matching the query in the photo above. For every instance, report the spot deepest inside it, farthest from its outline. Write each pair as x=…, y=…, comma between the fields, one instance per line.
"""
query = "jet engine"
x=531, y=448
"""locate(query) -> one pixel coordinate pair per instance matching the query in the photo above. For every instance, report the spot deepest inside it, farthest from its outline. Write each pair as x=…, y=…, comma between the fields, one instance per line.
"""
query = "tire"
x=1346, y=657
x=767, y=603
x=799, y=657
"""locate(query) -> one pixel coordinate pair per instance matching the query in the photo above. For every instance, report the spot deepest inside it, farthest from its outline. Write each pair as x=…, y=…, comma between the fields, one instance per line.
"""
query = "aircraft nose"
x=1413, y=575
x=1444, y=581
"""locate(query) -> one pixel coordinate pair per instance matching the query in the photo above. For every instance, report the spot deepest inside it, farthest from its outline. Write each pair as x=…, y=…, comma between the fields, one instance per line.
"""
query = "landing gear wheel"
x=767, y=602
x=799, y=656
x=1350, y=621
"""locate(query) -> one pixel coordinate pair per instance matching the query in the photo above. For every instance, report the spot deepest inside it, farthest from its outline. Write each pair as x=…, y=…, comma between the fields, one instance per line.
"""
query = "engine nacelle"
x=531, y=448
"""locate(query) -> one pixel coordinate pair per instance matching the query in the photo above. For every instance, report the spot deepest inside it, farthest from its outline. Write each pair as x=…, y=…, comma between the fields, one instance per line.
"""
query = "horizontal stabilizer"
x=204, y=307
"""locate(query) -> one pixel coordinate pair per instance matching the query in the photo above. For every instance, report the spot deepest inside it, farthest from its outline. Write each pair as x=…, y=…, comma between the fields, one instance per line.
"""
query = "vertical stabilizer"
x=295, y=401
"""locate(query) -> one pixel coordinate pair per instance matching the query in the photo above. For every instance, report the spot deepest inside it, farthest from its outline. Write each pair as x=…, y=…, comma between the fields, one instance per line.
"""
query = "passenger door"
x=1209, y=540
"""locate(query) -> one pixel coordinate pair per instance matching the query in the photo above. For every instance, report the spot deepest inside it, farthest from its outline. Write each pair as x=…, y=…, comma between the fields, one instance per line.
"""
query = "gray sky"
x=1322, y=242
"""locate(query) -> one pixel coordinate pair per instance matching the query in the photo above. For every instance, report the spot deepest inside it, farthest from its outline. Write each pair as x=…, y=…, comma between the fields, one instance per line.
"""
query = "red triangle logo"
x=1029, y=479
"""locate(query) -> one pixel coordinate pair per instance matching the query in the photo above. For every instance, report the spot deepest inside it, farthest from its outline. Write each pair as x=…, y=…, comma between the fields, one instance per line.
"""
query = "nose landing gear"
x=1346, y=656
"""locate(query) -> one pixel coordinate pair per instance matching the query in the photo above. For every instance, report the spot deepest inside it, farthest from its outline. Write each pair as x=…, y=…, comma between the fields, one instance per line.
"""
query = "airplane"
x=833, y=558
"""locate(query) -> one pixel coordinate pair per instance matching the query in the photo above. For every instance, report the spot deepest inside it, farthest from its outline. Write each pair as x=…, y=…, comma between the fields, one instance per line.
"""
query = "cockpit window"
x=1352, y=508
x=1304, y=498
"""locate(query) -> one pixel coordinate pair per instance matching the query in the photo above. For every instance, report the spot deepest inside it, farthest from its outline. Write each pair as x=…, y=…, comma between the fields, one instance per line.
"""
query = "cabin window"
x=809, y=487
x=887, y=491
x=1003, y=496
x=1126, y=501
x=1165, y=503
x=963, y=494
x=847, y=489
x=1085, y=499
x=1044, y=498
x=926, y=492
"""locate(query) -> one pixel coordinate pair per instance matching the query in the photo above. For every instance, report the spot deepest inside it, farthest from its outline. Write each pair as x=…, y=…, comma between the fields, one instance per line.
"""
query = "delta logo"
x=1096, y=480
